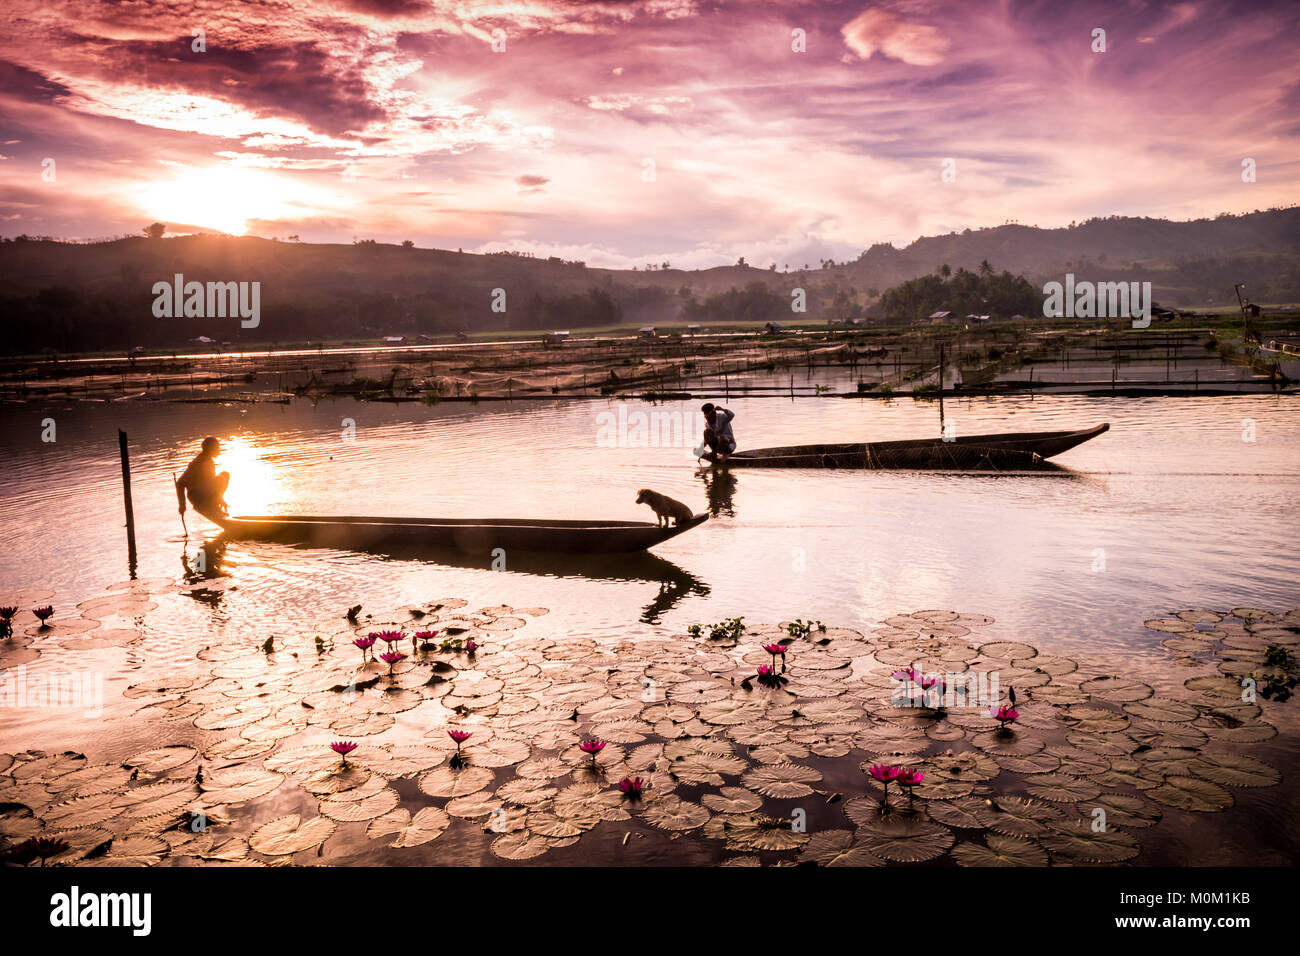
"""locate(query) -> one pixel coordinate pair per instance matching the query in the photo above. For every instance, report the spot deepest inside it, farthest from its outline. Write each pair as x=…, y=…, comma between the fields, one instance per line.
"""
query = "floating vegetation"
x=532, y=741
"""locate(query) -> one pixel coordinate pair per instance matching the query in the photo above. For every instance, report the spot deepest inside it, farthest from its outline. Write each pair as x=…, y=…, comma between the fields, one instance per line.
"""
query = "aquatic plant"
x=392, y=658
x=7, y=612
x=909, y=778
x=799, y=628
x=632, y=787
x=343, y=748
x=776, y=650
x=470, y=647
x=1005, y=714
x=729, y=630
x=592, y=747
x=460, y=736
x=424, y=637
x=365, y=643
x=43, y=614
x=884, y=773
x=388, y=637
x=768, y=677
x=41, y=848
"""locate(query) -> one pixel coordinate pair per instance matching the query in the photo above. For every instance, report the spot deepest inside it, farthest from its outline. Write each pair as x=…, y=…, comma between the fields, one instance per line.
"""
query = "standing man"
x=206, y=488
x=717, y=433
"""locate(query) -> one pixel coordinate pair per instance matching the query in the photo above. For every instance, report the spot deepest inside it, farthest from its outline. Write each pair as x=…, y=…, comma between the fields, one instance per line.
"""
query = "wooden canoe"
x=469, y=535
x=1014, y=450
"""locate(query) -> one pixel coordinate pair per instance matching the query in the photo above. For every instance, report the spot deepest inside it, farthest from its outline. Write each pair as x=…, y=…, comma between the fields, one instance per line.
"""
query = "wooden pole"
x=126, y=494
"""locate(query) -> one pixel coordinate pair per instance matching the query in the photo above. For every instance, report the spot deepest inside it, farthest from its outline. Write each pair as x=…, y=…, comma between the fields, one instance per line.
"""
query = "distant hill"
x=71, y=296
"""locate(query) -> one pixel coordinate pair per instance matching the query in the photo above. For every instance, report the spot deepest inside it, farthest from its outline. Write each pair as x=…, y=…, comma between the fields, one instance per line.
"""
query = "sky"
x=646, y=131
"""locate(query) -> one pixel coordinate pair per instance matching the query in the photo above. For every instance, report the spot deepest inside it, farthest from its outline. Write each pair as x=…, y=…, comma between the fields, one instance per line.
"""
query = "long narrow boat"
x=1013, y=450
x=470, y=535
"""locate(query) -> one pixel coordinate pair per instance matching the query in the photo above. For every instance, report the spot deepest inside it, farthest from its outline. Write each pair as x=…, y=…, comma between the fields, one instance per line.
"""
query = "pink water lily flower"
x=592, y=747
x=343, y=748
x=460, y=736
x=391, y=637
x=392, y=658
x=365, y=643
x=470, y=646
x=7, y=612
x=43, y=613
x=424, y=637
x=907, y=674
x=910, y=777
x=1004, y=715
x=885, y=773
x=632, y=786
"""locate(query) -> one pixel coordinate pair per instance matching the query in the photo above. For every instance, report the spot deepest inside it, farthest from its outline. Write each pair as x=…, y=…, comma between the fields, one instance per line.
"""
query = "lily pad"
x=290, y=834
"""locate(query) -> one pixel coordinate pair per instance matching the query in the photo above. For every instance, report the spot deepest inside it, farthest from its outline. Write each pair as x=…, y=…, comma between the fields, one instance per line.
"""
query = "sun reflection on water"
x=255, y=485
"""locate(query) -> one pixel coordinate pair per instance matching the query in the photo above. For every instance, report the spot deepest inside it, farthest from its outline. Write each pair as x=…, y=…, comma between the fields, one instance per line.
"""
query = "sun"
x=223, y=198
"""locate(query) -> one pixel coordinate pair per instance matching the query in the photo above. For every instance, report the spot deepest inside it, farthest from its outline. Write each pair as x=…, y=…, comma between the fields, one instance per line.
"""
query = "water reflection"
x=205, y=565
x=720, y=489
x=675, y=583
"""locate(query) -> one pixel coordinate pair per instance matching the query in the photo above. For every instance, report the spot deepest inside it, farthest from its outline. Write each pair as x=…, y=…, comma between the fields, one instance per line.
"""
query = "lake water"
x=1184, y=503
x=1171, y=508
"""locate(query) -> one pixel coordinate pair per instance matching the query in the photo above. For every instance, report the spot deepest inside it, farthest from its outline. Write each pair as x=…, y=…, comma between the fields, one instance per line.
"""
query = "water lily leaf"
x=1234, y=770
x=1191, y=793
x=1125, y=810
x=336, y=779
x=83, y=842
x=1118, y=689
x=526, y=791
x=732, y=800
x=782, y=780
x=133, y=851
x=367, y=808
x=1024, y=818
x=92, y=780
x=1076, y=841
x=1096, y=720
x=1017, y=743
x=1171, y=625
x=729, y=712
x=1245, y=732
x=967, y=813
x=1060, y=788
x=906, y=840
x=999, y=850
x=705, y=768
x=290, y=834
x=427, y=825
x=1220, y=689
x=670, y=812
x=82, y=811
x=447, y=782
x=754, y=831
x=1008, y=650
x=522, y=845
x=239, y=784
x=166, y=796
x=162, y=759
x=1031, y=764
x=836, y=848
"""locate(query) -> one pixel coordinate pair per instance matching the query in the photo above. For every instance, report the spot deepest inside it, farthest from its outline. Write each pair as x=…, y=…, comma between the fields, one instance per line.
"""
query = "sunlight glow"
x=254, y=486
x=221, y=197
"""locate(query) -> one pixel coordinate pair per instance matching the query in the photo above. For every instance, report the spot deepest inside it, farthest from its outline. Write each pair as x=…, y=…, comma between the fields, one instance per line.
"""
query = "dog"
x=664, y=507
